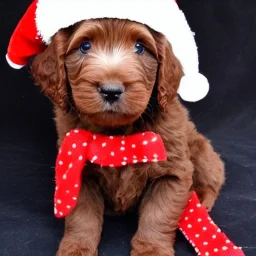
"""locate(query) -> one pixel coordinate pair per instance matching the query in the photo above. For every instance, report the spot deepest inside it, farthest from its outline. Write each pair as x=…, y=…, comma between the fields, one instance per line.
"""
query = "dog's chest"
x=122, y=187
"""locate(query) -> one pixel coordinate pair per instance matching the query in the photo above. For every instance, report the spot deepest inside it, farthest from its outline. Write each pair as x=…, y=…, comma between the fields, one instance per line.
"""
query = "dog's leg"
x=160, y=211
x=84, y=225
x=209, y=173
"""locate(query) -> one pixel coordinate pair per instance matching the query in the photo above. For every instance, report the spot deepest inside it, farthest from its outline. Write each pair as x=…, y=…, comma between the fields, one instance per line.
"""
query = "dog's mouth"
x=111, y=108
x=111, y=118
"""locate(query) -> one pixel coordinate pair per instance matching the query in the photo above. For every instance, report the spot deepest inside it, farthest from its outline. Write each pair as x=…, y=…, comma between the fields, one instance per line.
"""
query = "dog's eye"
x=85, y=47
x=139, y=48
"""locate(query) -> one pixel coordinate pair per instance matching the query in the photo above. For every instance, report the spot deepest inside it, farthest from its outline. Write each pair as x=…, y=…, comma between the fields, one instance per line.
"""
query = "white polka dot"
x=186, y=218
x=111, y=137
x=123, y=142
x=70, y=165
x=198, y=205
x=191, y=210
x=76, y=131
x=189, y=226
x=135, y=161
x=227, y=242
x=143, y=134
x=112, y=153
x=145, y=142
x=64, y=176
x=204, y=228
x=124, y=163
x=111, y=165
x=197, y=235
x=133, y=146
x=60, y=151
x=122, y=148
x=125, y=158
x=80, y=158
x=199, y=219
x=59, y=201
x=68, y=206
x=134, y=157
x=74, y=145
x=224, y=248
x=205, y=243
x=74, y=198
x=69, y=153
x=84, y=144
x=104, y=144
x=68, y=133
x=155, y=160
x=219, y=231
x=207, y=254
x=211, y=222
x=196, y=249
x=215, y=250
x=154, y=139
x=67, y=191
x=61, y=213
x=60, y=162
x=94, y=137
x=55, y=211
x=94, y=158
x=214, y=236
x=235, y=247
x=155, y=155
x=76, y=186
x=56, y=188
x=144, y=160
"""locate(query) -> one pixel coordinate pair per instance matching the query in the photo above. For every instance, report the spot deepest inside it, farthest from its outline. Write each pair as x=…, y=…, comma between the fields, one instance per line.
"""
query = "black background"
x=226, y=37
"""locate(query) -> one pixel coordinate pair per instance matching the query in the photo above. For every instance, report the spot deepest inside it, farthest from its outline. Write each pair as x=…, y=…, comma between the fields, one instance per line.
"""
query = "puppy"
x=119, y=77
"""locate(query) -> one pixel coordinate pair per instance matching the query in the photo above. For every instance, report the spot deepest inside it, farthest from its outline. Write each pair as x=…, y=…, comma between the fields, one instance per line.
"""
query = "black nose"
x=111, y=92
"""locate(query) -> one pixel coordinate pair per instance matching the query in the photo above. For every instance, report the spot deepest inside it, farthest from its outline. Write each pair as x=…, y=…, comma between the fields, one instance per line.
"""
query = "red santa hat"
x=44, y=18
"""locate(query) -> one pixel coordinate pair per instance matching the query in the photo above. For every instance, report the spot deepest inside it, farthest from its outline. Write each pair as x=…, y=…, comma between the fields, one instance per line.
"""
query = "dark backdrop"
x=227, y=44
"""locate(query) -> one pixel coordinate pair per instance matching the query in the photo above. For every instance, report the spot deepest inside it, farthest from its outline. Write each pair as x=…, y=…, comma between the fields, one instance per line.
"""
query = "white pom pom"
x=193, y=87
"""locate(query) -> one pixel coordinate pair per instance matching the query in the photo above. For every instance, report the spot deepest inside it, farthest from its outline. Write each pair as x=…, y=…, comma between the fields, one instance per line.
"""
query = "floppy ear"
x=169, y=73
x=48, y=70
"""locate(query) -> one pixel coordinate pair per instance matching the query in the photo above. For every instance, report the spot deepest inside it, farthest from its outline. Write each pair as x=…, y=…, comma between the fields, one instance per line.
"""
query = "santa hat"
x=44, y=18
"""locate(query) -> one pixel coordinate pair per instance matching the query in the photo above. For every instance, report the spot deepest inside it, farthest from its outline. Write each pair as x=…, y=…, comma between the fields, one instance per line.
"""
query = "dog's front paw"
x=72, y=248
x=141, y=247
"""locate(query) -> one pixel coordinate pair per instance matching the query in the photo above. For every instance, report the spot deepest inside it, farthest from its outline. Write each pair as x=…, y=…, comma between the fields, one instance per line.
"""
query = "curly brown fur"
x=150, y=103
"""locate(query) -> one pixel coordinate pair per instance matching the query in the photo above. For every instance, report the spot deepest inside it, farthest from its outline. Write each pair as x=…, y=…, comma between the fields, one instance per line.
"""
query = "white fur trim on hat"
x=54, y=15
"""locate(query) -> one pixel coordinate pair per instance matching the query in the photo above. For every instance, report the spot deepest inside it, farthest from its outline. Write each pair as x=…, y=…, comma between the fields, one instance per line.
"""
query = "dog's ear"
x=48, y=70
x=169, y=73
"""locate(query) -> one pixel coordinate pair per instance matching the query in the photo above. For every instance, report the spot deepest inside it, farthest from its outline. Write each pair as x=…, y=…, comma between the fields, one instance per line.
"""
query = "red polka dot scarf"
x=80, y=146
x=203, y=234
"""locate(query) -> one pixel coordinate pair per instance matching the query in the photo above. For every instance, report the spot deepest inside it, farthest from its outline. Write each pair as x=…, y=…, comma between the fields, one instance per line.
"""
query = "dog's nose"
x=111, y=92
